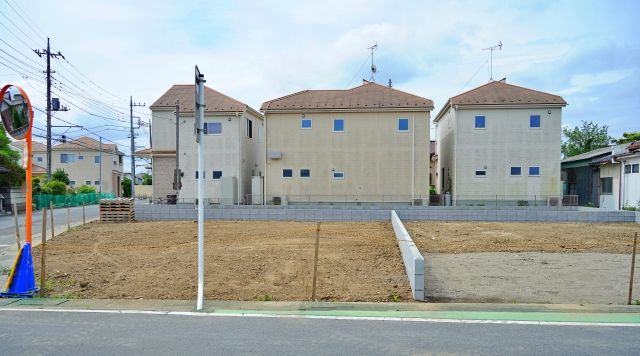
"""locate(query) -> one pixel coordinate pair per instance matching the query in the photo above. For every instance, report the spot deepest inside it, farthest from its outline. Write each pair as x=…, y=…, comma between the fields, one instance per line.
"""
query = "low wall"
x=146, y=212
x=413, y=260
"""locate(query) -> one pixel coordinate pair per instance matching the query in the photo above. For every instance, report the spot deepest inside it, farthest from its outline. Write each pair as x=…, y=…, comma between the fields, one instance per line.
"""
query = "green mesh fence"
x=43, y=200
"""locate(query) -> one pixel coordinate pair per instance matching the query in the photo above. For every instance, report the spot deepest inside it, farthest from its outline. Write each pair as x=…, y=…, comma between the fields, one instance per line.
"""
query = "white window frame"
x=485, y=122
x=306, y=119
x=248, y=129
x=214, y=122
x=533, y=175
x=284, y=169
x=67, y=155
x=300, y=173
x=486, y=173
x=333, y=124
x=87, y=182
x=398, y=126
x=333, y=174
x=540, y=122
x=96, y=158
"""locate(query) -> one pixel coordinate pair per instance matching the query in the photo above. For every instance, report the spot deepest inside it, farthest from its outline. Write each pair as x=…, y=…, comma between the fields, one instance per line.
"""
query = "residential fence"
x=70, y=200
x=407, y=200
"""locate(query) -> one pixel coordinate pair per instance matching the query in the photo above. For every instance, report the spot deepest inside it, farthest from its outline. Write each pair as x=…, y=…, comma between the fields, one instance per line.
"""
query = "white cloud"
x=582, y=83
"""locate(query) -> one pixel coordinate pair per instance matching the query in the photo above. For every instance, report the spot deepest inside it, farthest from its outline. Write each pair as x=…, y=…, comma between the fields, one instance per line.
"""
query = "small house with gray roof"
x=500, y=143
x=365, y=144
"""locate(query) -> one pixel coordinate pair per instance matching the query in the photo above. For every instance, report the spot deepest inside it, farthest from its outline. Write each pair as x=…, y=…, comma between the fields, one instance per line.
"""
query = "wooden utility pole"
x=15, y=218
x=633, y=266
x=53, y=233
x=315, y=263
x=43, y=248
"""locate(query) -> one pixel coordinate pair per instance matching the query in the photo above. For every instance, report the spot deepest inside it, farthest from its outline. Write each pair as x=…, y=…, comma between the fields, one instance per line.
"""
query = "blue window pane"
x=213, y=128
x=534, y=171
x=287, y=173
x=338, y=125
x=534, y=121
x=96, y=159
x=305, y=173
x=481, y=173
x=516, y=171
x=217, y=174
x=480, y=122
x=305, y=123
x=403, y=124
x=338, y=175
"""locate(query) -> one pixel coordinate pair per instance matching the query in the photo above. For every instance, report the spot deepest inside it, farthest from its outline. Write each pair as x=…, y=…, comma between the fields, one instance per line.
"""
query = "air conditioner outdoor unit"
x=554, y=201
x=277, y=200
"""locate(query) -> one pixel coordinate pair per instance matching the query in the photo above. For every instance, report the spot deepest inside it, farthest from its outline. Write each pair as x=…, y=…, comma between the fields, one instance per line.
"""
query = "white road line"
x=328, y=317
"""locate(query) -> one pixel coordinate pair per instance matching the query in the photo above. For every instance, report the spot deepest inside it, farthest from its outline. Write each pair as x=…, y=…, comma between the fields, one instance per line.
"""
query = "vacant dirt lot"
x=243, y=261
x=462, y=237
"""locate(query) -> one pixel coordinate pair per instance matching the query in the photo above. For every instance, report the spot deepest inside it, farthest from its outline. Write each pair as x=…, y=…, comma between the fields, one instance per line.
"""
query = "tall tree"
x=9, y=159
x=628, y=137
x=587, y=137
x=61, y=176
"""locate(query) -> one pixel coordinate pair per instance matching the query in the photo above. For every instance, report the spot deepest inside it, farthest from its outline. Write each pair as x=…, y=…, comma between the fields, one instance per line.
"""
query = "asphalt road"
x=63, y=333
x=8, y=247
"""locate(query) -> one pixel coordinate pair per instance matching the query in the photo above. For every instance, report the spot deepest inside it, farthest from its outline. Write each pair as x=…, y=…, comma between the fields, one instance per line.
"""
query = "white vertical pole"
x=200, y=133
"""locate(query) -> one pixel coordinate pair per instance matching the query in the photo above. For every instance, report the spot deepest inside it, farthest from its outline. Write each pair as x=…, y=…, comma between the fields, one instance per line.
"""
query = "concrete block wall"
x=147, y=212
x=413, y=260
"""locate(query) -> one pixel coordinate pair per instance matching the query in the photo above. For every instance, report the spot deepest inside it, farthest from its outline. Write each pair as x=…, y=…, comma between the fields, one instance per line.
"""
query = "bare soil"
x=257, y=260
x=470, y=237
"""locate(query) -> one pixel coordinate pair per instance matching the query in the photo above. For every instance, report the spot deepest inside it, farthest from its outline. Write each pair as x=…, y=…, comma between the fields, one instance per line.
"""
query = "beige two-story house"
x=365, y=144
x=85, y=160
x=500, y=142
x=233, y=138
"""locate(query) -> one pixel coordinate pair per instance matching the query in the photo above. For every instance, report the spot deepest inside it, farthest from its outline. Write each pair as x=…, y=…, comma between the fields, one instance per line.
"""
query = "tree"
x=9, y=159
x=35, y=186
x=61, y=176
x=54, y=187
x=628, y=137
x=126, y=187
x=147, y=179
x=585, y=138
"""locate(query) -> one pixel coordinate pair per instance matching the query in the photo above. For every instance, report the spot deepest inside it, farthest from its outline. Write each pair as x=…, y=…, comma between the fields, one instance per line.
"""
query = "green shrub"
x=60, y=175
x=83, y=189
x=432, y=189
x=54, y=187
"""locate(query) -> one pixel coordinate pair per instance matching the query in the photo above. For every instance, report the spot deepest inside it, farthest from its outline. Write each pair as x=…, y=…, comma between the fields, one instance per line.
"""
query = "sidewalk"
x=528, y=313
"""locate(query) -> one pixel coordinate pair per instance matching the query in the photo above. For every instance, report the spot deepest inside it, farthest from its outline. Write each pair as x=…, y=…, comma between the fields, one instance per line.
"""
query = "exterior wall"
x=376, y=159
x=507, y=141
x=163, y=176
x=86, y=169
x=445, y=135
x=229, y=152
x=252, y=154
x=631, y=185
x=610, y=201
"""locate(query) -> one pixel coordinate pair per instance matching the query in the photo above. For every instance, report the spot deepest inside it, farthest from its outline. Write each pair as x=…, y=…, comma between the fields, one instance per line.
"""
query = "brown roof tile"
x=366, y=96
x=501, y=93
x=185, y=93
x=83, y=143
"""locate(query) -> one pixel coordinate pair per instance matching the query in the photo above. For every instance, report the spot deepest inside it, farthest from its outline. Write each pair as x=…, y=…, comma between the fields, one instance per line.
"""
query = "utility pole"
x=176, y=180
x=100, y=163
x=133, y=148
x=48, y=53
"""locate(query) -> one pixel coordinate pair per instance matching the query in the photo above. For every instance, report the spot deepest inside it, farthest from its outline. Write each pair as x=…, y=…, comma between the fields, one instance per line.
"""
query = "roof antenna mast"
x=373, y=66
x=491, y=49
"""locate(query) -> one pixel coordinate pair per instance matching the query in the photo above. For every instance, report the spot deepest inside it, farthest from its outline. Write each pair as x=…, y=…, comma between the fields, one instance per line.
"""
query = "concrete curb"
x=413, y=260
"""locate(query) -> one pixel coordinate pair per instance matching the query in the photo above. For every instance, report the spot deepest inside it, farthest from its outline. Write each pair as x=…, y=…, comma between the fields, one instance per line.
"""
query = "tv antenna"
x=374, y=70
x=491, y=49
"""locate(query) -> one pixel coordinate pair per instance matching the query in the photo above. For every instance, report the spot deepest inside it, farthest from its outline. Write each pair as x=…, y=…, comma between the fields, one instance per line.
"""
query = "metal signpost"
x=199, y=130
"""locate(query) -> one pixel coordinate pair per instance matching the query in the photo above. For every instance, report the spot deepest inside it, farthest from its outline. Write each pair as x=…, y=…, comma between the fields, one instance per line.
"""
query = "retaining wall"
x=147, y=212
x=413, y=260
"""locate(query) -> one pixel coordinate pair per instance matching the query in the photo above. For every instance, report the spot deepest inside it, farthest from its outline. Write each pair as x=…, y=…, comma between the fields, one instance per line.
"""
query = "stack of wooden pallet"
x=118, y=210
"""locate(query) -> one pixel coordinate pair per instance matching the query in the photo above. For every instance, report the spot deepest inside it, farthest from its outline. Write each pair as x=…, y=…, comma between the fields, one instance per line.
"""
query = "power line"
x=28, y=23
x=18, y=28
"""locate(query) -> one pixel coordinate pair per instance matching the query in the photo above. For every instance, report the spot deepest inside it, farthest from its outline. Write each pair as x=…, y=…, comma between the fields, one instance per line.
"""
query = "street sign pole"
x=199, y=119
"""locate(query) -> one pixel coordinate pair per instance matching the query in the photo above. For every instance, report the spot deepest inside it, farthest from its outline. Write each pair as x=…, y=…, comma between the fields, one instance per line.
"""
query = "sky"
x=586, y=51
